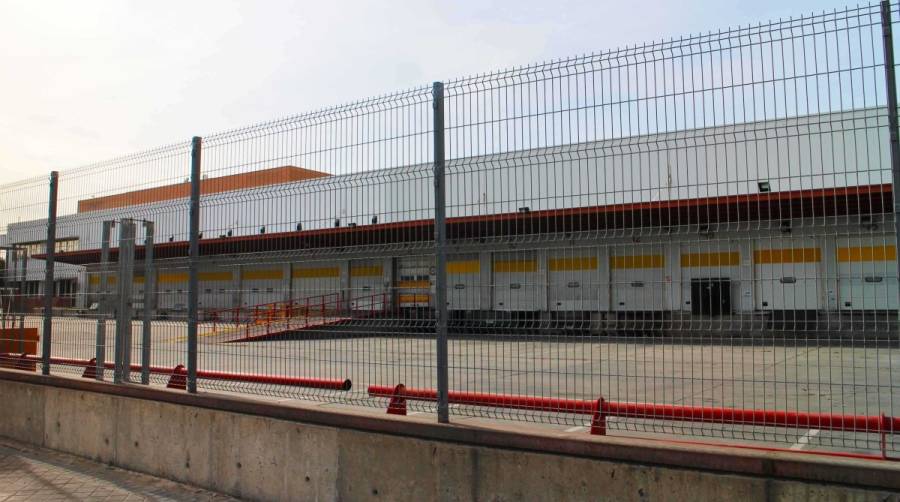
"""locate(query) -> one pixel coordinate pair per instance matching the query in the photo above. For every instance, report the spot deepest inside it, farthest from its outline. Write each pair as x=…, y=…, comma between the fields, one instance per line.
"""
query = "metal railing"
x=692, y=238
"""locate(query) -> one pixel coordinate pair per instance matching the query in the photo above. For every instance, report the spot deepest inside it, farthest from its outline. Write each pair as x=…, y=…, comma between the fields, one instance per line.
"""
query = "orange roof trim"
x=220, y=184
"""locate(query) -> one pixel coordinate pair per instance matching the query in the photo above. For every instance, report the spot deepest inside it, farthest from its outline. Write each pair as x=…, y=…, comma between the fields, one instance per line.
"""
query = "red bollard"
x=178, y=379
x=397, y=406
x=598, y=420
x=90, y=371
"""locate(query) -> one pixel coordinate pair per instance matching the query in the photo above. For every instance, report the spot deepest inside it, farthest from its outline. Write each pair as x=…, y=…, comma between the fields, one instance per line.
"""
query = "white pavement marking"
x=415, y=413
x=576, y=428
x=804, y=439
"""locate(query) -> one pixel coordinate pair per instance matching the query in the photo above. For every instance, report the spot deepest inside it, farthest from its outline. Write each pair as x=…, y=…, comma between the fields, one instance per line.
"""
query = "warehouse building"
x=742, y=225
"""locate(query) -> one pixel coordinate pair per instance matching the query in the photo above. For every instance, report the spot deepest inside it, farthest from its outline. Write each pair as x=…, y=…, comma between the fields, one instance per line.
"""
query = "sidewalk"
x=29, y=473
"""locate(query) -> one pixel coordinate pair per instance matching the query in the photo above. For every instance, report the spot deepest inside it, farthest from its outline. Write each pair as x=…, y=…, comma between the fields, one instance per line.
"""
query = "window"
x=62, y=246
x=66, y=245
x=34, y=248
x=65, y=287
x=32, y=288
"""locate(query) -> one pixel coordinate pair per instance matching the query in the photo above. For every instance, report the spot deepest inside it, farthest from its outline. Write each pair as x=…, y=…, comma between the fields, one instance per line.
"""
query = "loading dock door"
x=787, y=274
x=574, y=280
x=464, y=282
x=172, y=290
x=637, y=275
x=518, y=282
x=262, y=284
x=316, y=279
x=367, y=291
x=216, y=291
x=867, y=273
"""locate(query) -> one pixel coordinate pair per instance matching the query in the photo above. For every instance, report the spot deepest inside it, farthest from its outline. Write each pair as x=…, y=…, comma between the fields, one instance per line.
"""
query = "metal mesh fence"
x=19, y=293
x=304, y=283
x=692, y=237
x=704, y=223
x=103, y=210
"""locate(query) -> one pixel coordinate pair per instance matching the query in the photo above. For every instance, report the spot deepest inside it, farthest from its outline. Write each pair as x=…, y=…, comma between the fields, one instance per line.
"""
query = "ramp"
x=270, y=321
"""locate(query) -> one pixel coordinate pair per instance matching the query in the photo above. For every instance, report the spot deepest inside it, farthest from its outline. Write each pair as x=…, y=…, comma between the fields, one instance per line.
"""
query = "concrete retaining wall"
x=262, y=457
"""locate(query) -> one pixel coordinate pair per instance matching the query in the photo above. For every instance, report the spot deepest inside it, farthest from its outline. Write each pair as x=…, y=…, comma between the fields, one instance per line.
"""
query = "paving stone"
x=35, y=474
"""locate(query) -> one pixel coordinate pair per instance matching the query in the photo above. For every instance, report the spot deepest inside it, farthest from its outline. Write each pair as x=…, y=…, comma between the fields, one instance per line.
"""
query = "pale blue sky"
x=89, y=80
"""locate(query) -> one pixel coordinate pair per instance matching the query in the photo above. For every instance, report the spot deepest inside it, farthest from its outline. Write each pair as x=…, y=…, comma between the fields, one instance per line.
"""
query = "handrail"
x=300, y=313
x=270, y=312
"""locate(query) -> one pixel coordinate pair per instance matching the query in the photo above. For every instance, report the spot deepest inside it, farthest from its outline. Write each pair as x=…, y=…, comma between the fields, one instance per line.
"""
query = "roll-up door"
x=787, y=274
x=574, y=280
x=317, y=281
x=518, y=282
x=867, y=273
x=262, y=284
x=637, y=274
x=367, y=289
x=464, y=282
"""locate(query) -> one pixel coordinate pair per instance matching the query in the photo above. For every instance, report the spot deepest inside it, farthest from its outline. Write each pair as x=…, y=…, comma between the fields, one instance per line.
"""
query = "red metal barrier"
x=600, y=409
x=178, y=374
x=21, y=361
x=313, y=383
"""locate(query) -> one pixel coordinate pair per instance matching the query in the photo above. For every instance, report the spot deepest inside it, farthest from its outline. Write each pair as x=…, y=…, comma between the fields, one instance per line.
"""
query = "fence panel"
x=104, y=212
x=21, y=303
x=316, y=251
x=702, y=222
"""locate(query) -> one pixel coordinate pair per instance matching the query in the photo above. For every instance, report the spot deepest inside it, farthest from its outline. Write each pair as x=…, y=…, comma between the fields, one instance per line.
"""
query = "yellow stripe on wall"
x=414, y=284
x=366, y=271
x=575, y=263
x=414, y=298
x=269, y=274
x=788, y=255
x=94, y=279
x=867, y=253
x=717, y=259
x=509, y=266
x=637, y=261
x=464, y=267
x=214, y=276
x=173, y=277
x=316, y=272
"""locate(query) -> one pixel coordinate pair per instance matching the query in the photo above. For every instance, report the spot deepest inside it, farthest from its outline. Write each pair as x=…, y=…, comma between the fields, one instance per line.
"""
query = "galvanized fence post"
x=440, y=251
x=124, y=332
x=47, y=335
x=23, y=293
x=149, y=302
x=193, y=257
x=100, y=340
x=8, y=274
x=891, y=84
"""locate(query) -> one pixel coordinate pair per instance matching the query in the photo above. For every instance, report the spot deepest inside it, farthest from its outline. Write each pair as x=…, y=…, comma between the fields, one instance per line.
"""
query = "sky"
x=90, y=80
